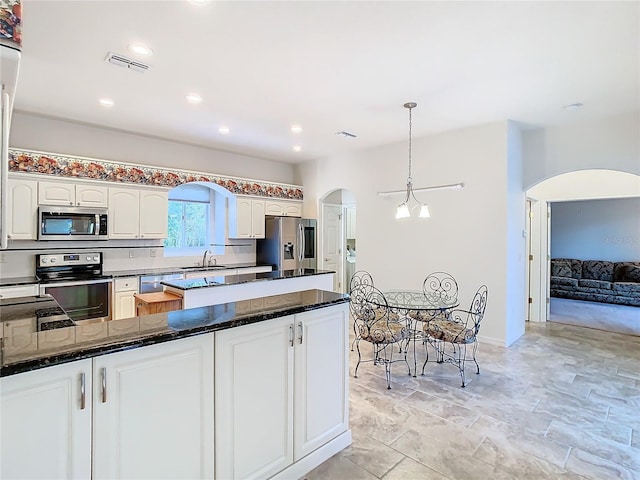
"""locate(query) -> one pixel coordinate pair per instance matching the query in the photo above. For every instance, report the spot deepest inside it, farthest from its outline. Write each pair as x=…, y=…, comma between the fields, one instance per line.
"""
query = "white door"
x=124, y=213
x=46, y=425
x=92, y=196
x=154, y=214
x=254, y=399
x=321, y=378
x=332, y=242
x=56, y=193
x=125, y=304
x=257, y=218
x=152, y=412
x=244, y=225
x=22, y=213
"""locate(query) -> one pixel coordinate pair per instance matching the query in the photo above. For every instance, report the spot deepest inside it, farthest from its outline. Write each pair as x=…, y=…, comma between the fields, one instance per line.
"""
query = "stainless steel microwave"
x=72, y=223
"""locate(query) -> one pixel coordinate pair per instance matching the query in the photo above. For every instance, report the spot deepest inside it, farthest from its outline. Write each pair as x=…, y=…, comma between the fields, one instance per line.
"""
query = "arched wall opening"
x=572, y=186
x=337, y=235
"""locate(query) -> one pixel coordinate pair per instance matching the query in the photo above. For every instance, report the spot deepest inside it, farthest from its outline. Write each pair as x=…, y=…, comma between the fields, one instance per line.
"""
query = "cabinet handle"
x=82, y=392
x=104, y=385
x=300, y=330
x=291, y=335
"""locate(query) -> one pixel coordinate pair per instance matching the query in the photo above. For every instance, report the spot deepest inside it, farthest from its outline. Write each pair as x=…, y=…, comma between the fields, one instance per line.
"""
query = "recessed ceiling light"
x=106, y=102
x=296, y=128
x=223, y=130
x=140, y=49
x=573, y=106
x=297, y=148
x=193, y=98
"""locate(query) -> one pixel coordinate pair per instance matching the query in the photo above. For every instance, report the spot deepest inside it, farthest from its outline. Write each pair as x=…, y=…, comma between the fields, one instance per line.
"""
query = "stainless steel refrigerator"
x=289, y=243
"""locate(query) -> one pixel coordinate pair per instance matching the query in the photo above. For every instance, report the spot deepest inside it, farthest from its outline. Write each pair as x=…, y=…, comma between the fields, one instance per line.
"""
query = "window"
x=189, y=224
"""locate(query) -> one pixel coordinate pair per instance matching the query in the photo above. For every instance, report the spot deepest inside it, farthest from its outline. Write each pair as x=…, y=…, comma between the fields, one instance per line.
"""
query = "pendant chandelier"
x=405, y=210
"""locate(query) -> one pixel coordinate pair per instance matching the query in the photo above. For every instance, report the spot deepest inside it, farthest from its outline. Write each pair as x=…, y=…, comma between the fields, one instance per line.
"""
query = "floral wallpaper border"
x=11, y=21
x=27, y=161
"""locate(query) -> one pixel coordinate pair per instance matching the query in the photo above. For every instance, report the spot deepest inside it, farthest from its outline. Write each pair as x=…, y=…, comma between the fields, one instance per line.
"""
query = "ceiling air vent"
x=346, y=134
x=125, y=62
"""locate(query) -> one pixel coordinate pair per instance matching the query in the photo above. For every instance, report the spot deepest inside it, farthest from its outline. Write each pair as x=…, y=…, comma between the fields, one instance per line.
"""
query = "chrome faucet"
x=204, y=257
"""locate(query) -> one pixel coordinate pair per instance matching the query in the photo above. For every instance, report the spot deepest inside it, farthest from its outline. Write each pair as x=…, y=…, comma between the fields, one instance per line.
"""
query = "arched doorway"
x=337, y=233
x=578, y=185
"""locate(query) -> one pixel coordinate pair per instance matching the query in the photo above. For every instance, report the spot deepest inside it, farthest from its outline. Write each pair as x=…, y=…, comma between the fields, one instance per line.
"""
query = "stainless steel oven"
x=75, y=280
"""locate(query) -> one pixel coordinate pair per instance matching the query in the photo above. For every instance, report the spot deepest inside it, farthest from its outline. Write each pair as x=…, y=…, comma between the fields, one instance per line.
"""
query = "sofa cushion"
x=597, y=284
x=627, y=289
x=597, y=270
x=569, y=282
x=626, y=272
x=560, y=268
x=576, y=266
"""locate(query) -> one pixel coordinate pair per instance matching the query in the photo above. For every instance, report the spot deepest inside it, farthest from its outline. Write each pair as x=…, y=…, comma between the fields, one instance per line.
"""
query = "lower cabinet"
x=46, y=423
x=281, y=391
x=152, y=416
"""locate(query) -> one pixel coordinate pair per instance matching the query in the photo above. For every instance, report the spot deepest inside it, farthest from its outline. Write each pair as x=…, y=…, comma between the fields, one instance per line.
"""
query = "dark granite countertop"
x=216, y=281
x=25, y=349
x=12, y=282
x=169, y=270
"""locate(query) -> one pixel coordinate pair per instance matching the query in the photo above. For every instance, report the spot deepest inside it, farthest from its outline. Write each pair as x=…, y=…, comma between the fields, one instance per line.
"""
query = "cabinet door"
x=293, y=209
x=22, y=214
x=254, y=400
x=125, y=304
x=56, y=193
x=92, y=196
x=321, y=378
x=124, y=215
x=257, y=218
x=19, y=291
x=243, y=218
x=154, y=214
x=273, y=207
x=46, y=429
x=154, y=418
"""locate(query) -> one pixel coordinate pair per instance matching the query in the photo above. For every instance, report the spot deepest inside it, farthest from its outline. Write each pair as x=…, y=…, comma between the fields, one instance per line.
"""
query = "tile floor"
x=562, y=402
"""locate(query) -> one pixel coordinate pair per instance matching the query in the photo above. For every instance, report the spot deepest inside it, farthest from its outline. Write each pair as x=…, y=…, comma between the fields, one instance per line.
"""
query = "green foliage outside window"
x=188, y=224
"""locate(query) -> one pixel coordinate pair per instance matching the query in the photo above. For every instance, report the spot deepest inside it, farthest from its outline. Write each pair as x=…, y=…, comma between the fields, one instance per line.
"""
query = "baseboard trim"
x=315, y=458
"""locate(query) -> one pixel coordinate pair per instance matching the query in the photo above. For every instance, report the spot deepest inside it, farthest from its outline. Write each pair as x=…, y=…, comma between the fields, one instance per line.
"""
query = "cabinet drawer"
x=18, y=291
x=126, y=284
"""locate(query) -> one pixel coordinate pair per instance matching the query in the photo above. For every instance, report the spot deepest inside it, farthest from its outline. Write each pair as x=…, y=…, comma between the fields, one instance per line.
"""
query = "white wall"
x=35, y=132
x=472, y=233
x=596, y=230
x=612, y=144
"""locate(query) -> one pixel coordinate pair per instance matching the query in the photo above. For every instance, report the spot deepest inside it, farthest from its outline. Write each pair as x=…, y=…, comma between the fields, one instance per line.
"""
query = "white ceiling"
x=327, y=66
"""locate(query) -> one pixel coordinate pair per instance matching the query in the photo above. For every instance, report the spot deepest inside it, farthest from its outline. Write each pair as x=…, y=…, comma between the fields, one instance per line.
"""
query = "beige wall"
x=34, y=132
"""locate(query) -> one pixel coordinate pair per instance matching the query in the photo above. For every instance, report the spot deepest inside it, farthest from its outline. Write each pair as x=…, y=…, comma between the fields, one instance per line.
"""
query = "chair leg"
x=426, y=351
x=387, y=365
x=475, y=348
x=355, y=373
x=462, y=353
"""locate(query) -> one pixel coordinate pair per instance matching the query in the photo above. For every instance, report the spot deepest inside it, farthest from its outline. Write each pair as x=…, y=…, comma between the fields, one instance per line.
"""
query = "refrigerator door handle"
x=301, y=249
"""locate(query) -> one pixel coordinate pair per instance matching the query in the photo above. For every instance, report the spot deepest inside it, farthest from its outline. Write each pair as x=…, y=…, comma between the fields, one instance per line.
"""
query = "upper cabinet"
x=138, y=213
x=283, y=208
x=65, y=193
x=22, y=214
x=246, y=217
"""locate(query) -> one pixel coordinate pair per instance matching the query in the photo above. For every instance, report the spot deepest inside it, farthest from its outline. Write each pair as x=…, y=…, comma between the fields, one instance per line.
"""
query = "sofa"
x=596, y=281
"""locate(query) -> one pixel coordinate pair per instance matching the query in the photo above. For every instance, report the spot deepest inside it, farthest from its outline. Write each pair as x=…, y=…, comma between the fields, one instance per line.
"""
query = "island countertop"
x=23, y=350
x=212, y=280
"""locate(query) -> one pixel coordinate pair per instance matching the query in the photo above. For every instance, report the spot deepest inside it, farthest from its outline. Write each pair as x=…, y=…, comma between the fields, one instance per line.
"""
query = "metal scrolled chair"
x=359, y=285
x=374, y=323
x=459, y=330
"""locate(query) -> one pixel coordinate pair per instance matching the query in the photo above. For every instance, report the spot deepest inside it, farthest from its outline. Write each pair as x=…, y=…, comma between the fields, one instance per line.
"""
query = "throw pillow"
x=560, y=268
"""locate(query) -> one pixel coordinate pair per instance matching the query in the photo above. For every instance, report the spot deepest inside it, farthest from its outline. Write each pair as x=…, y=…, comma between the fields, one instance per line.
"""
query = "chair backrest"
x=373, y=320
x=478, y=306
x=360, y=280
x=440, y=288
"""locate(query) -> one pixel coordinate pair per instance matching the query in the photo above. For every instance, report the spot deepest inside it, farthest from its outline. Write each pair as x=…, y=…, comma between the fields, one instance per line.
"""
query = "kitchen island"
x=209, y=290
x=267, y=379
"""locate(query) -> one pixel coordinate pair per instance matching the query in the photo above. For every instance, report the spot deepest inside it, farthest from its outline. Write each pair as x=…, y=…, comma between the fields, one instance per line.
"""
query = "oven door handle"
x=74, y=283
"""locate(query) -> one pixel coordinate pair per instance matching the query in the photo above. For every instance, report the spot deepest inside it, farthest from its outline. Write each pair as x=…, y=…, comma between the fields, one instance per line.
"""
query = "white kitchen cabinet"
x=298, y=364
x=246, y=218
x=124, y=302
x=153, y=414
x=283, y=208
x=137, y=213
x=46, y=424
x=22, y=214
x=14, y=291
x=69, y=193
